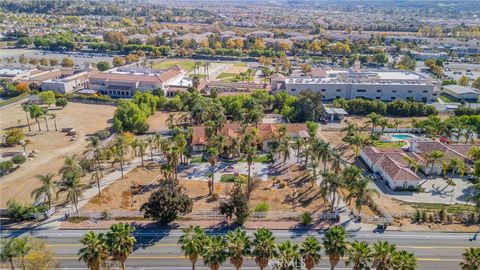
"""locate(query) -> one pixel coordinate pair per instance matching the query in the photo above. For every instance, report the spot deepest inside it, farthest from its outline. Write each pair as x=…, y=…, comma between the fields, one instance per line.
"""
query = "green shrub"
x=103, y=134
x=20, y=212
x=6, y=166
x=262, y=207
x=306, y=218
x=14, y=136
x=19, y=159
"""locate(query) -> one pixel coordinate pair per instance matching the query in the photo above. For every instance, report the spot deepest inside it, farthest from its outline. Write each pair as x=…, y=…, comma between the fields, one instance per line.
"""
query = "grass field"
x=188, y=65
x=226, y=75
x=389, y=145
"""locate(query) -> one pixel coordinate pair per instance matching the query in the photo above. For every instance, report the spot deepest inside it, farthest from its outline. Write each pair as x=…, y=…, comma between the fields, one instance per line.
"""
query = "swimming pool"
x=401, y=137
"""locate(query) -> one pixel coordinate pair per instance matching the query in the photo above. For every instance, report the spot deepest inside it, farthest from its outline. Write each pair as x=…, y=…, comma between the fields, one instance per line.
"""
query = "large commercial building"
x=125, y=81
x=385, y=85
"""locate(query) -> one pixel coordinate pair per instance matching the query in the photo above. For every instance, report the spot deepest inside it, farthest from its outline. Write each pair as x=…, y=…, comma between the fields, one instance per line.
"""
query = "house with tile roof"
x=390, y=164
x=233, y=131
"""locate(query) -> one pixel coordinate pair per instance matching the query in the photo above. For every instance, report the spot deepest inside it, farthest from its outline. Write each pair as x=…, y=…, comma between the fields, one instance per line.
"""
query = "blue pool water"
x=400, y=137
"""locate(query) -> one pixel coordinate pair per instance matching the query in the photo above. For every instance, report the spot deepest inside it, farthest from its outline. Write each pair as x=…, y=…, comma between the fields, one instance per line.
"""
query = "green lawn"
x=226, y=75
x=197, y=159
x=239, y=64
x=188, y=65
x=389, y=145
x=261, y=158
x=230, y=178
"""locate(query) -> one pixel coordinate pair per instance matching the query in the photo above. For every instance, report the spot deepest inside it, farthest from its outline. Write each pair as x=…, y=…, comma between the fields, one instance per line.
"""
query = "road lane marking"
x=80, y=245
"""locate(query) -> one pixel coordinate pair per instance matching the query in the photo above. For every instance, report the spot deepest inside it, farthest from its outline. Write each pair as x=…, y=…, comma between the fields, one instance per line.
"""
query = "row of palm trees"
x=236, y=246
x=36, y=112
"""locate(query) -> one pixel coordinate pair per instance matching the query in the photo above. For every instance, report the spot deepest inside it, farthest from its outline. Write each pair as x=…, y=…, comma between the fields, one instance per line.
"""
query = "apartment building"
x=384, y=85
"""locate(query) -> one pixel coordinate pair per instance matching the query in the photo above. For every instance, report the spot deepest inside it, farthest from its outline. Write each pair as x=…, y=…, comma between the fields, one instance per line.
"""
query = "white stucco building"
x=385, y=85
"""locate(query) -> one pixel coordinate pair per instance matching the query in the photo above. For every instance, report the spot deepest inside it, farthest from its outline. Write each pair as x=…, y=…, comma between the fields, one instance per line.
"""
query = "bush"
x=262, y=207
x=19, y=159
x=306, y=218
x=20, y=212
x=6, y=166
x=61, y=102
x=14, y=136
x=281, y=185
x=214, y=197
x=103, y=134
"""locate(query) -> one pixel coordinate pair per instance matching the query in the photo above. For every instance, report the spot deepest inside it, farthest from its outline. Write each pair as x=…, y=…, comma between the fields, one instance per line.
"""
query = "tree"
x=36, y=112
x=476, y=83
x=404, y=260
x=40, y=256
x=474, y=153
x=120, y=242
x=362, y=193
x=306, y=68
x=456, y=165
x=14, y=248
x=61, y=102
x=236, y=204
x=95, y=250
x=129, y=117
x=26, y=109
x=47, y=97
x=335, y=244
x=48, y=188
x=288, y=256
x=463, y=81
x=118, y=61
x=119, y=150
x=102, y=65
x=214, y=252
x=212, y=159
x=374, y=120
x=53, y=62
x=238, y=246
x=191, y=243
x=263, y=247
x=407, y=63
x=53, y=116
x=475, y=197
x=471, y=259
x=310, y=250
x=14, y=136
x=67, y=63
x=382, y=255
x=432, y=157
x=330, y=184
x=73, y=188
x=169, y=201
x=359, y=255
x=141, y=145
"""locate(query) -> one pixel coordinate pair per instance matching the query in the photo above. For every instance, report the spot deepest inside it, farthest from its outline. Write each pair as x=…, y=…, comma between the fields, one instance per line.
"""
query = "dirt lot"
x=118, y=195
x=235, y=69
x=52, y=146
x=157, y=122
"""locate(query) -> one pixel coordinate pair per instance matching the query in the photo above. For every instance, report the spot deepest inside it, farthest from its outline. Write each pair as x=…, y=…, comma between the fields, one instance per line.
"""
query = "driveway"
x=201, y=171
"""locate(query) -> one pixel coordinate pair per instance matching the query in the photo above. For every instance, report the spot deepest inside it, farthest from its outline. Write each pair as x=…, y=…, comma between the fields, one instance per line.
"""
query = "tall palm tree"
x=475, y=197
x=289, y=256
x=383, y=253
x=140, y=146
x=151, y=143
x=335, y=244
x=96, y=176
x=53, y=116
x=374, y=120
x=94, y=146
x=351, y=175
x=432, y=158
x=251, y=152
x=362, y=193
x=95, y=252
x=119, y=152
x=356, y=141
x=214, y=252
x=71, y=168
x=404, y=260
x=8, y=252
x=474, y=153
x=73, y=188
x=47, y=187
x=238, y=246
x=412, y=163
x=396, y=123
x=471, y=259
x=120, y=242
x=330, y=183
x=35, y=113
x=456, y=165
x=383, y=123
x=350, y=128
x=45, y=117
x=191, y=243
x=26, y=109
x=263, y=247
x=310, y=250
x=336, y=160
x=212, y=159
x=298, y=144
x=359, y=255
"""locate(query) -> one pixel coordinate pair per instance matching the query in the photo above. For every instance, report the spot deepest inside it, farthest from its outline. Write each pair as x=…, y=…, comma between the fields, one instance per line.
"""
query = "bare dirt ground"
x=52, y=145
x=117, y=196
x=157, y=121
x=235, y=69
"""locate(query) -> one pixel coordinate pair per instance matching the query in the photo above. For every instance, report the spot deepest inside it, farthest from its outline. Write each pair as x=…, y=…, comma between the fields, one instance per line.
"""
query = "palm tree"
x=238, y=246
x=374, y=120
x=47, y=187
x=362, y=193
x=412, y=163
x=71, y=168
x=330, y=183
x=119, y=151
x=289, y=256
x=335, y=244
x=73, y=188
x=351, y=175
x=96, y=176
x=351, y=129
x=336, y=161
x=456, y=165
x=404, y=260
x=36, y=112
x=94, y=146
x=298, y=144
x=471, y=259
x=474, y=153
x=53, y=116
x=359, y=255
x=263, y=247
x=45, y=114
x=475, y=197
x=95, y=252
x=212, y=158
x=26, y=109
x=191, y=243
x=356, y=141
x=310, y=249
x=432, y=157
x=251, y=152
x=383, y=123
x=120, y=242
x=214, y=252
x=382, y=255
x=150, y=141
x=140, y=145
x=396, y=123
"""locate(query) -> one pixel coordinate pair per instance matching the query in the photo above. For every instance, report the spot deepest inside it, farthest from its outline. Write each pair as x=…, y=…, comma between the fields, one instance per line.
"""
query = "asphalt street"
x=158, y=249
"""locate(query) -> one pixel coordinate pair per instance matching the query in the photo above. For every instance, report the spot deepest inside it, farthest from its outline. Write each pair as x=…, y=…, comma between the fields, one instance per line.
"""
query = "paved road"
x=157, y=249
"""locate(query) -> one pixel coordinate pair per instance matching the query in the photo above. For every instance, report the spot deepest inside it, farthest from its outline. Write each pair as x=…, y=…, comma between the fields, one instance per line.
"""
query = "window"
x=394, y=91
x=379, y=91
x=409, y=91
x=361, y=90
x=377, y=98
x=293, y=89
x=339, y=90
x=392, y=98
x=337, y=97
x=323, y=90
x=425, y=91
